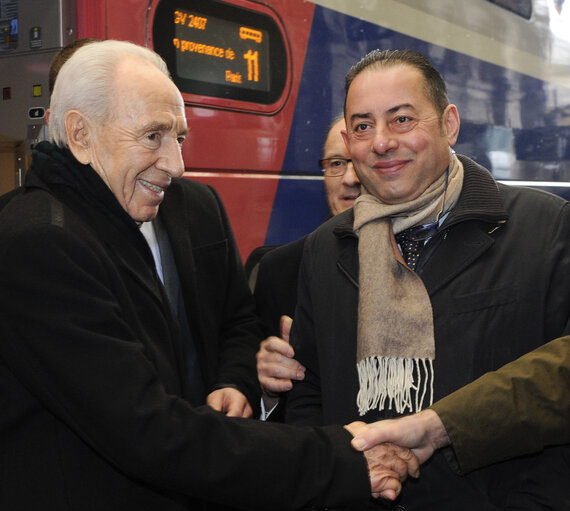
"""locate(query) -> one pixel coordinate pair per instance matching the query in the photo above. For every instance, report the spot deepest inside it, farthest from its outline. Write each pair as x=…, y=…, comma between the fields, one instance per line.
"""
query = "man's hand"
x=388, y=465
x=276, y=366
x=229, y=401
x=422, y=432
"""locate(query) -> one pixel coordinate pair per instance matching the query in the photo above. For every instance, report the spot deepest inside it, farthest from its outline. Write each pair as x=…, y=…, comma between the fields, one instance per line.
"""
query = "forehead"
x=334, y=142
x=387, y=87
x=143, y=90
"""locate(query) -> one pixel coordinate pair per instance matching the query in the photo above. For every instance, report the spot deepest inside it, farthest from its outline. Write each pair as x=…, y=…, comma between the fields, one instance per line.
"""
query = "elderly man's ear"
x=77, y=132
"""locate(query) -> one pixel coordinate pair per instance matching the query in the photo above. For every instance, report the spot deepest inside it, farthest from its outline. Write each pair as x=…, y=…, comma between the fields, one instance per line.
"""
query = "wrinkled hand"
x=388, y=465
x=276, y=367
x=422, y=432
x=230, y=402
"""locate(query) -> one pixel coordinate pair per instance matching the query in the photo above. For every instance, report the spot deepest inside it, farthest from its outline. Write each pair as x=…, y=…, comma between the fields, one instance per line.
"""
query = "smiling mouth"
x=389, y=166
x=150, y=186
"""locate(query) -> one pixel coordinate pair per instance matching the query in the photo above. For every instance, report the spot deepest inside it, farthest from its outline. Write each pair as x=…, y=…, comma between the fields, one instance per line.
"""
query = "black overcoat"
x=498, y=276
x=93, y=414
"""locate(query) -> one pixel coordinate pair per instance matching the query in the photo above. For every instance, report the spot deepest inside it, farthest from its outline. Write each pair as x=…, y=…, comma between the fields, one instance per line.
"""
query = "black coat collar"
x=480, y=209
x=56, y=170
x=480, y=199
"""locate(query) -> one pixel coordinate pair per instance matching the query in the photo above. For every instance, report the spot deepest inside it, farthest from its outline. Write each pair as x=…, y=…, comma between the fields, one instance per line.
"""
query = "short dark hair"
x=62, y=57
x=434, y=85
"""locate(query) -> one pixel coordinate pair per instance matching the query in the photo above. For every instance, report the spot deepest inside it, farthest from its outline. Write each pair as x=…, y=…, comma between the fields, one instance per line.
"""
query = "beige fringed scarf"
x=396, y=346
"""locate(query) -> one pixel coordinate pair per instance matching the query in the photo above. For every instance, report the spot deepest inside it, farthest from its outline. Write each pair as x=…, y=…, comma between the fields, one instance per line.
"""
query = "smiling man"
x=103, y=368
x=438, y=275
x=137, y=153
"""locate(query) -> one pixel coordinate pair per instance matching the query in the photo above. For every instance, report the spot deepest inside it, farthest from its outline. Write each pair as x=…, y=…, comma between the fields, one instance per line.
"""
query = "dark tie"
x=411, y=250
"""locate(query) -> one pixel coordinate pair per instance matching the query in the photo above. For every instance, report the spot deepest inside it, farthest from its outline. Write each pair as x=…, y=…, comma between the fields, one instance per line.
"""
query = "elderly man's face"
x=398, y=143
x=139, y=151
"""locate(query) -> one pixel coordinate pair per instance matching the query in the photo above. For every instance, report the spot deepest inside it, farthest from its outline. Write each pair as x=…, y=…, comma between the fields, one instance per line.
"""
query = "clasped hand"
x=388, y=464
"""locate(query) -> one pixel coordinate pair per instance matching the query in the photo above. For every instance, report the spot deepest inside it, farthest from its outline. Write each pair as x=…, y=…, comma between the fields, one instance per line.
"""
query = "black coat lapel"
x=174, y=215
x=452, y=254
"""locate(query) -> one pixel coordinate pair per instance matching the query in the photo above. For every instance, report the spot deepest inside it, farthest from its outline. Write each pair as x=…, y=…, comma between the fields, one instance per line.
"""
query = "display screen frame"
x=228, y=96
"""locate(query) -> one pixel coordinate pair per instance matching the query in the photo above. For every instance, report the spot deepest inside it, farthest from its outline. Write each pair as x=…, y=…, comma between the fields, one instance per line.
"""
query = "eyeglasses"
x=334, y=167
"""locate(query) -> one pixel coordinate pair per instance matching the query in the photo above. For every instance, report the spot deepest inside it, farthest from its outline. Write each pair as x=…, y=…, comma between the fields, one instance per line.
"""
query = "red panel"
x=126, y=20
x=104, y=19
x=90, y=19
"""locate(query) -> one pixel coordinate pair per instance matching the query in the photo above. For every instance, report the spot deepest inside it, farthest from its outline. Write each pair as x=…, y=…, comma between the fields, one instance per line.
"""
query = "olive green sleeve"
x=519, y=409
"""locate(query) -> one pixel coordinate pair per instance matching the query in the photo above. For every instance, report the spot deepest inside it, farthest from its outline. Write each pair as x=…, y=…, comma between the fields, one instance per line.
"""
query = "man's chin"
x=145, y=216
x=348, y=203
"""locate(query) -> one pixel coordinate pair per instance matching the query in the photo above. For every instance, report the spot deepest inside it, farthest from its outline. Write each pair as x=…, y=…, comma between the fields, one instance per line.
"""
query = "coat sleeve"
x=519, y=409
x=267, y=297
x=64, y=337
x=276, y=284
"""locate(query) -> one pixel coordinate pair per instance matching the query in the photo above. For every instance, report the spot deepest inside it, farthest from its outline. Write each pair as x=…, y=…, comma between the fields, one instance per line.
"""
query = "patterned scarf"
x=396, y=346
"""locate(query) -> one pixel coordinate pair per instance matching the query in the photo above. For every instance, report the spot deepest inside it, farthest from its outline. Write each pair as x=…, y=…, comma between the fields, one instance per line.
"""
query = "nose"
x=170, y=157
x=350, y=178
x=383, y=141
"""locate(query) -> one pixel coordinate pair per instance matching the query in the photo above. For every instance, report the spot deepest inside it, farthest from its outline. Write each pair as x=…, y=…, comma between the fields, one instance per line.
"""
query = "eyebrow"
x=157, y=126
x=390, y=111
x=396, y=108
x=354, y=117
x=161, y=126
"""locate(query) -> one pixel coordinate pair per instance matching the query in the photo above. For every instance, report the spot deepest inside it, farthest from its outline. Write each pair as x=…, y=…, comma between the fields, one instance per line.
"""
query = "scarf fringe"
x=392, y=379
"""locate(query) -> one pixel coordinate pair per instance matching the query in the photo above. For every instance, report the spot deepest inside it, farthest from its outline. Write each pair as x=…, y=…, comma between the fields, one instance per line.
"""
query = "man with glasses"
x=276, y=284
x=341, y=182
x=436, y=276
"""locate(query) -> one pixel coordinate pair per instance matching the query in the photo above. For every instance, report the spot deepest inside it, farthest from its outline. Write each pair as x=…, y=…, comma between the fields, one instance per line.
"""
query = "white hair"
x=85, y=82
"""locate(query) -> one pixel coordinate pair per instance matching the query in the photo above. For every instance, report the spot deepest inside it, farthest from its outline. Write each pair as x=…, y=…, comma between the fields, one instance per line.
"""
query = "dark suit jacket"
x=276, y=285
x=93, y=414
x=276, y=294
x=216, y=297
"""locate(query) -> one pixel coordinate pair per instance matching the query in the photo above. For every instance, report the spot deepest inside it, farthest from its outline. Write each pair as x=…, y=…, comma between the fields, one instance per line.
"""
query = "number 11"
x=252, y=65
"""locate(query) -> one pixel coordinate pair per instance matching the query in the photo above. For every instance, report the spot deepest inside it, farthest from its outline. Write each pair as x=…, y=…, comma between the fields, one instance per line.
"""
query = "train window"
x=8, y=25
x=521, y=7
x=221, y=51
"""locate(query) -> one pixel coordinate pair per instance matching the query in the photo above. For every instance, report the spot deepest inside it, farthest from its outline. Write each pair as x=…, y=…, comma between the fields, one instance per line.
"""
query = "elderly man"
x=435, y=277
x=94, y=362
x=217, y=361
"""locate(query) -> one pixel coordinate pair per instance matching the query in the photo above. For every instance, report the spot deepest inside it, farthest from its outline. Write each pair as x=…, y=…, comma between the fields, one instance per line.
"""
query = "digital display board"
x=221, y=50
x=214, y=50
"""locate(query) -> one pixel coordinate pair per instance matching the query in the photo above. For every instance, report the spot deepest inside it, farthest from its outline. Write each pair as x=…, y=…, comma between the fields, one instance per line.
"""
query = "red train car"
x=262, y=79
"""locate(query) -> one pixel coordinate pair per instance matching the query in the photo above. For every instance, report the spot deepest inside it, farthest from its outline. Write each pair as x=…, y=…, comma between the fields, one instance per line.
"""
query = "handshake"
x=395, y=448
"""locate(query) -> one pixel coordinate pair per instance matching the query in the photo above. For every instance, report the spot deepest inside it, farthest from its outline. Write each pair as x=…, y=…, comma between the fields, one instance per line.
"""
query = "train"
x=263, y=79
